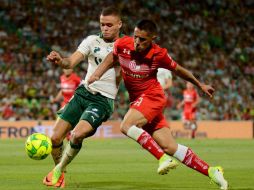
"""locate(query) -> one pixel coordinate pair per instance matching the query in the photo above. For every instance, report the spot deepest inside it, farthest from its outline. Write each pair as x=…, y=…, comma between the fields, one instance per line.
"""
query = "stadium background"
x=214, y=39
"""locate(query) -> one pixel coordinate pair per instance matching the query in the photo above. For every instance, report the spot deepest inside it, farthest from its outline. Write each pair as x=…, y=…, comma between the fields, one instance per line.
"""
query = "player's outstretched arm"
x=66, y=63
x=187, y=75
x=102, y=68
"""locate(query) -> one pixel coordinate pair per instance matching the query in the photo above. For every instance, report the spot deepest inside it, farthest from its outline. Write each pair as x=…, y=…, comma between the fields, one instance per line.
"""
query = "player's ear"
x=120, y=24
x=154, y=37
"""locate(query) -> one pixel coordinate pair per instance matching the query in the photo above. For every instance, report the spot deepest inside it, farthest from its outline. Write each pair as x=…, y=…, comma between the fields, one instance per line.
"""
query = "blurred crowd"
x=213, y=39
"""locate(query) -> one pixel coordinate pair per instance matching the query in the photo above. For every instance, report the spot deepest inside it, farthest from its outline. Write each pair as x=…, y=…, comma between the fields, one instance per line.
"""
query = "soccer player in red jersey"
x=144, y=122
x=69, y=82
x=189, y=104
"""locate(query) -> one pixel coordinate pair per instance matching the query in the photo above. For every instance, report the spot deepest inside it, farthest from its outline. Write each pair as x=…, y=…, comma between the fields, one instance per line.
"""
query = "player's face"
x=110, y=26
x=142, y=40
x=189, y=85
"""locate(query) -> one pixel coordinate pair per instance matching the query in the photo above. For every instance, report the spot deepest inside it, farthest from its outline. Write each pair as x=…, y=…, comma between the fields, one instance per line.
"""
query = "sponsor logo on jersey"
x=110, y=48
x=126, y=51
x=139, y=76
x=96, y=49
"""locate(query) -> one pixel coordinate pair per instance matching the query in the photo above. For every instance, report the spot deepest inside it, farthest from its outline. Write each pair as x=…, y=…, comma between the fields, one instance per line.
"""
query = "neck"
x=113, y=39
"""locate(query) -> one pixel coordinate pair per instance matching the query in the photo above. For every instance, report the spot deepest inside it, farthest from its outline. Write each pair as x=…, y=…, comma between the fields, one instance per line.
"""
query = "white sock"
x=180, y=152
x=134, y=132
x=68, y=156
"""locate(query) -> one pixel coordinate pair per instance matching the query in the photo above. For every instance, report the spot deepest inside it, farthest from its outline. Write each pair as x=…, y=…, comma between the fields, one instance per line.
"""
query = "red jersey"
x=139, y=70
x=68, y=86
x=189, y=97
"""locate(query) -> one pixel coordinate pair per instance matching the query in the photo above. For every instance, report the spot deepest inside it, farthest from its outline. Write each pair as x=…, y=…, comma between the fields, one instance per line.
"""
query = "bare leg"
x=60, y=130
x=184, y=154
x=82, y=130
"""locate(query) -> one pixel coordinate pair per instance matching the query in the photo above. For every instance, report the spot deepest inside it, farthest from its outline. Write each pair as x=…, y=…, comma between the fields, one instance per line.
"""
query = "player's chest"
x=138, y=65
x=67, y=83
x=99, y=51
x=188, y=97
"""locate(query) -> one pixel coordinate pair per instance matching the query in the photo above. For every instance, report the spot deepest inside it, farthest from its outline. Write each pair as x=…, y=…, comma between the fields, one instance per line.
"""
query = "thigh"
x=193, y=116
x=72, y=111
x=149, y=105
x=165, y=140
x=158, y=122
x=83, y=130
x=134, y=117
x=95, y=114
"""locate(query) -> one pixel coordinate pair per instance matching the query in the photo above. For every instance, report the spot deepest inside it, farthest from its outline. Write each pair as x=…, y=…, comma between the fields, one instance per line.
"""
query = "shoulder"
x=91, y=38
x=159, y=51
x=126, y=40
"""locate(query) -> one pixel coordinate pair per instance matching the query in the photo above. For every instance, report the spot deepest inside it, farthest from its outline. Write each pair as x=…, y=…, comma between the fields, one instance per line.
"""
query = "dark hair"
x=147, y=25
x=111, y=10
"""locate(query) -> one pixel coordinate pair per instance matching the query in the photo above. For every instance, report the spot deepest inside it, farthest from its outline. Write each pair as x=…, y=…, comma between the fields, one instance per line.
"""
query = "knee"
x=124, y=127
x=56, y=140
x=76, y=137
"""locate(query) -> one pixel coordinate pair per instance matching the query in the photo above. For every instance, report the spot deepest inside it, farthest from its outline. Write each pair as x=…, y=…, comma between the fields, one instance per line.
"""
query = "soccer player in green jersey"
x=91, y=104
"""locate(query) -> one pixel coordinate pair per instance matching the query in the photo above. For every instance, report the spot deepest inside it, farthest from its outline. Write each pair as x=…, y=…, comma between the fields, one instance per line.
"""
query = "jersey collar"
x=150, y=53
x=120, y=35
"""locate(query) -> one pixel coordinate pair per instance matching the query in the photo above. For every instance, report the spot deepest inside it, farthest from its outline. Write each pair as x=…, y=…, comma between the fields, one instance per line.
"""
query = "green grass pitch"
x=120, y=164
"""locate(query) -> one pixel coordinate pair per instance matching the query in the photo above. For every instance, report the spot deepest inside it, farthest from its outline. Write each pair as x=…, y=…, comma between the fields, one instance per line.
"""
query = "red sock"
x=193, y=161
x=150, y=145
x=193, y=134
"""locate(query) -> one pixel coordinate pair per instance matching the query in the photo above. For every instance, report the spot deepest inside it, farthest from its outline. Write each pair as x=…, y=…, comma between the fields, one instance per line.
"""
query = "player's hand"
x=207, y=89
x=92, y=79
x=55, y=58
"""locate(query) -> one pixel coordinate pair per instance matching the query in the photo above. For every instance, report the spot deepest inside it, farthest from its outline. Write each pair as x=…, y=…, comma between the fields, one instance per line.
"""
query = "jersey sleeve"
x=166, y=61
x=115, y=49
x=84, y=47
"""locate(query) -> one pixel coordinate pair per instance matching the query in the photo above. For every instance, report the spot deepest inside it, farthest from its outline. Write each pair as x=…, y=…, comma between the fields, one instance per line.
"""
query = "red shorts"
x=151, y=105
x=190, y=115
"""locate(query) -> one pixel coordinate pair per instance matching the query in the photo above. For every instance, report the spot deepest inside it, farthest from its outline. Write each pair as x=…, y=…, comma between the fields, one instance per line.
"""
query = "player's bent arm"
x=72, y=61
x=102, y=68
x=187, y=75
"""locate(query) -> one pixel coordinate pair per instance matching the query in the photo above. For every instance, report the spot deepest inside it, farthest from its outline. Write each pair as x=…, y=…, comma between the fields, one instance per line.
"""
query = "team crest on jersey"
x=132, y=64
x=96, y=49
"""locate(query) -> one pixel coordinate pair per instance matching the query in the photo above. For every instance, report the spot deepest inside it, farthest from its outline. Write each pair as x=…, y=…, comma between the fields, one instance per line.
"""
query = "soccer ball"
x=38, y=146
